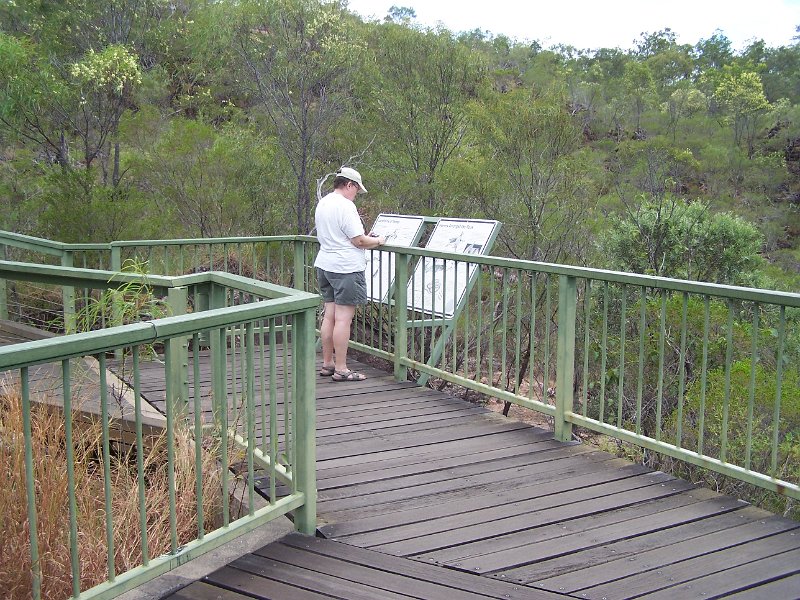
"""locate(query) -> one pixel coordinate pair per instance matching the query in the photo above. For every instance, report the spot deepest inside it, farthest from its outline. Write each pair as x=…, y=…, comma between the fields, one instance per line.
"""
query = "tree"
x=427, y=81
x=638, y=82
x=683, y=240
x=742, y=97
x=545, y=194
x=714, y=52
x=683, y=102
x=400, y=14
x=209, y=183
x=303, y=58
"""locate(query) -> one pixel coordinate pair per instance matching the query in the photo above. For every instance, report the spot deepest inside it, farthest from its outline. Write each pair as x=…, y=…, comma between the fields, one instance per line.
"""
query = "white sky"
x=604, y=24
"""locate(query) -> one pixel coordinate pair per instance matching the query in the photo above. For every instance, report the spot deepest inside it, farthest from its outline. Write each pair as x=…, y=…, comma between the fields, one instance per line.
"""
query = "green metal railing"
x=703, y=373
x=254, y=411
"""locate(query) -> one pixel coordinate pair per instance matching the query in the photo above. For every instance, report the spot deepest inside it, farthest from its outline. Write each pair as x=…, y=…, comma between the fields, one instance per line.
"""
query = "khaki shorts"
x=348, y=289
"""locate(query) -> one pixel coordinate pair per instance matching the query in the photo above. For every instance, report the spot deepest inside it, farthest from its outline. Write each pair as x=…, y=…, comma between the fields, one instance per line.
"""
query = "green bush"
x=762, y=435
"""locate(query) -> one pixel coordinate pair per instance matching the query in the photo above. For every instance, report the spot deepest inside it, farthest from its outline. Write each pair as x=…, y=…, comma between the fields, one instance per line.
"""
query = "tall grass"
x=50, y=460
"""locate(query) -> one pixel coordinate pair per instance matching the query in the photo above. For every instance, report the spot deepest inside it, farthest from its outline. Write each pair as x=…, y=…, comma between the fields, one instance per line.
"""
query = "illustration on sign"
x=399, y=230
x=438, y=284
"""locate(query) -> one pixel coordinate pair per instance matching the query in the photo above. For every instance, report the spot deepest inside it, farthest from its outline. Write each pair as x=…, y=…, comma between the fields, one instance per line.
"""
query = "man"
x=340, y=267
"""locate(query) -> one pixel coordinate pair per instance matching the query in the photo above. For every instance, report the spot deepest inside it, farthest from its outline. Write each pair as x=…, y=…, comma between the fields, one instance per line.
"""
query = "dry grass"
x=50, y=459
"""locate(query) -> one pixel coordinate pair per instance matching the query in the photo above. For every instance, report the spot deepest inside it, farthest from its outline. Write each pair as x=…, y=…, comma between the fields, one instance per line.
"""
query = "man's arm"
x=367, y=242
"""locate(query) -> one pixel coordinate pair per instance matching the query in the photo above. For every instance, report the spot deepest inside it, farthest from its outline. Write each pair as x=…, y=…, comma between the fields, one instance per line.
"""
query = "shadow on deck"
x=423, y=495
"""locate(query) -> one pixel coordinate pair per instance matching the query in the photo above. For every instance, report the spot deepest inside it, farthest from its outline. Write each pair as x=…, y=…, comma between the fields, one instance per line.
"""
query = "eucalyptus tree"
x=546, y=193
x=640, y=90
x=303, y=59
x=741, y=96
x=427, y=80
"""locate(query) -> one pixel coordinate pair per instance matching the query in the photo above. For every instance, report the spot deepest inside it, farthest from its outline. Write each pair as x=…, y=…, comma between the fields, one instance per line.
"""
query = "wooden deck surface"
x=423, y=495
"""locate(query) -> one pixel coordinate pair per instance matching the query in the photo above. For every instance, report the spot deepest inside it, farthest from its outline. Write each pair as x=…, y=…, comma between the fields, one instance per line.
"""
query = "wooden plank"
x=260, y=587
x=311, y=580
x=670, y=500
x=363, y=575
x=592, y=566
x=722, y=571
x=434, y=463
x=785, y=587
x=491, y=497
x=509, y=561
x=501, y=466
x=456, y=580
x=518, y=523
x=200, y=590
x=733, y=580
x=555, y=467
x=356, y=447
x=346, y=465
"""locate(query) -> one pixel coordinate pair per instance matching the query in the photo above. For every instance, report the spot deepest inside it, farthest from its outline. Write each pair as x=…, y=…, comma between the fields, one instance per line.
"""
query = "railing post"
x=116, y=309
x=565, y=360
x=299, y=265
x=3, y=288
x=304, y=331
x=178, y=367
x=68, y=295
x=202, y=303
x=219, y=349
x=401, y=316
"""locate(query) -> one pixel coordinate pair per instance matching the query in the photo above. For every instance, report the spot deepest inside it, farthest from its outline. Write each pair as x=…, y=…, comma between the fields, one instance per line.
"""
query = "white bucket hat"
x=354, y=176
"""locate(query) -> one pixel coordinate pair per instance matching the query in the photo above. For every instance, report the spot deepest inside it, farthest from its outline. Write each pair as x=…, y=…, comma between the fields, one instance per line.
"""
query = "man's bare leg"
x=343, y=317
x=326, y=333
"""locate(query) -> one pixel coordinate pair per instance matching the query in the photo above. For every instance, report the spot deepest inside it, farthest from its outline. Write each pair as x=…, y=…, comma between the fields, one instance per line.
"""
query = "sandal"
x=348, y=376
x=327, y=371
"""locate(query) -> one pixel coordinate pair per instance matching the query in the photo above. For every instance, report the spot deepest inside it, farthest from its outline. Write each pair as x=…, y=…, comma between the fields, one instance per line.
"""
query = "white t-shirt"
x=337, y=222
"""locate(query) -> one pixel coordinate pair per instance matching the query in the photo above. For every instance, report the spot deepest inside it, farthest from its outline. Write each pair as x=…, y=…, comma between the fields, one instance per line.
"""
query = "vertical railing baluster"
x=491, y=327
x=565, y=356
x=640, y=381
x=273, y=410
x=547, y=332
x=30, y=485
x=101, y=358
x=171, y=406
x=587, y=298
x=288, y=397
x=466, y=316
x=776, y=411
x=503, y=358
x=479, y=326
x=401, y=317
x=532, y=349
x=681, y=373
x=251, y=410
x=623, y=329
x=262, y=387
x=198, y=435
x=661, y=343
x=751, y=397
x=723, y=451
x=701, y=423
x=603, y=354
x=140, y=480
x=66, y=382
x=517, y=330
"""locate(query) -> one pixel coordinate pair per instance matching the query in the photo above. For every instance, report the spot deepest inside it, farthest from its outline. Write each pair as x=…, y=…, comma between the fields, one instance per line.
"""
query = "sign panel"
x=438, y=284
x=399, y=230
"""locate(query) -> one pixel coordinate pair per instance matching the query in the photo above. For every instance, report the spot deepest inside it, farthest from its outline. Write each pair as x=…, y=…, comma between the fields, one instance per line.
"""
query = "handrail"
x=257, y=311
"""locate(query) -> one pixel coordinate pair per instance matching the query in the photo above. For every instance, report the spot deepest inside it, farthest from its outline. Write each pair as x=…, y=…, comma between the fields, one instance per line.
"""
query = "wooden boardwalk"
x=423, y=495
